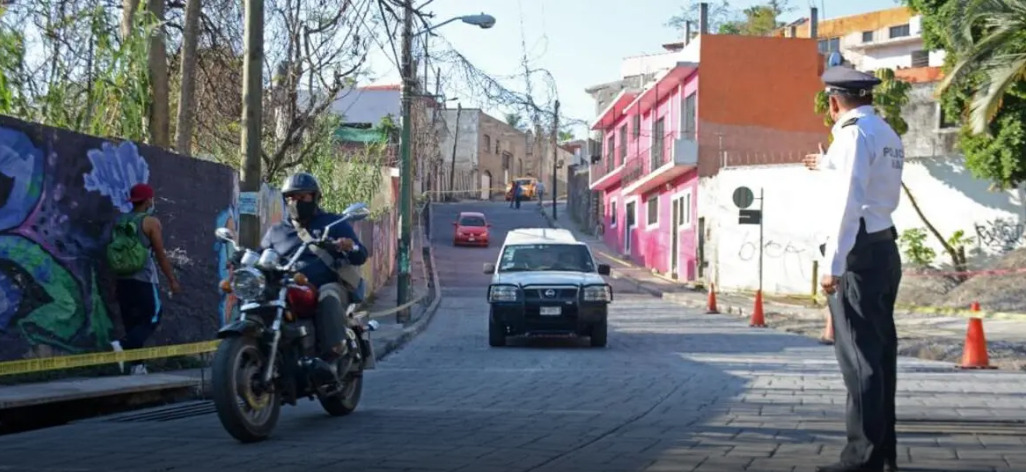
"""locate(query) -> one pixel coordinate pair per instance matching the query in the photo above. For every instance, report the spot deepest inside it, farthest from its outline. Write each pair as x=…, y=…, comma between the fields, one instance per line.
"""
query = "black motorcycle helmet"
x=302, y=182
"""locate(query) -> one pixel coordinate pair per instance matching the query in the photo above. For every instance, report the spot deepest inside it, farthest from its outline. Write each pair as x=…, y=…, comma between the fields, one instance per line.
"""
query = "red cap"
x=140, y=193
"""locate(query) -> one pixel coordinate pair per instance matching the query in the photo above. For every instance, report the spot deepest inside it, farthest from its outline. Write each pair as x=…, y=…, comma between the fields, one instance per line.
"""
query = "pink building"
x=658, y=142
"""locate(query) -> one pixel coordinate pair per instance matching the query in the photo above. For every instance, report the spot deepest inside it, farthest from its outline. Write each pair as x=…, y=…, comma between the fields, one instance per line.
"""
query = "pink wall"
x=650, y=247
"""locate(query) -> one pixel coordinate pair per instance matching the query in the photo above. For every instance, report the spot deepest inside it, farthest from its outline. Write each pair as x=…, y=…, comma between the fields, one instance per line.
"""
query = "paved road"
x=675, y=390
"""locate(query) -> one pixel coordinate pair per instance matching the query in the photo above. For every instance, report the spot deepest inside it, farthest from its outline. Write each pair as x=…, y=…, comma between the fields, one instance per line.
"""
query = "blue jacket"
x=283, y=239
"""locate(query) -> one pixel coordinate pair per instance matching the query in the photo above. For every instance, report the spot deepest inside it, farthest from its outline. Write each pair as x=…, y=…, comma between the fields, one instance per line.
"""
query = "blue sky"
x=581, y=42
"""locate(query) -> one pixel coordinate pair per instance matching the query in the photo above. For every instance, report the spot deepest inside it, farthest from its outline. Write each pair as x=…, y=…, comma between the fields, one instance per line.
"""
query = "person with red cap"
x=136, y=249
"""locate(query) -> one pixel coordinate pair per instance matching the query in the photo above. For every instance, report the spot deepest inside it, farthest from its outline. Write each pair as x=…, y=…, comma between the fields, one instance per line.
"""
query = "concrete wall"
x=59, y=194
x=949, y=196
x=467, y=148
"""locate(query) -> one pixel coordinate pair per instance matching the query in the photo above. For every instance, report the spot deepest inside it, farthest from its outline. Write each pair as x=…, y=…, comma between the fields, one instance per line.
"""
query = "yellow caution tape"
x=26, y=366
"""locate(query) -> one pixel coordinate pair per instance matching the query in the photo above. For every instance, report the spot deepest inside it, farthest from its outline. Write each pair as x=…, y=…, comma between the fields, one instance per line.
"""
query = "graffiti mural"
x=50, y=295
x=59, y=195
x=999, y=234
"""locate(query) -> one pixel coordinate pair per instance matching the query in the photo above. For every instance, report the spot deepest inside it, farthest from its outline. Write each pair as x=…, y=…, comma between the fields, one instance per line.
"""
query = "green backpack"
x=126, y=253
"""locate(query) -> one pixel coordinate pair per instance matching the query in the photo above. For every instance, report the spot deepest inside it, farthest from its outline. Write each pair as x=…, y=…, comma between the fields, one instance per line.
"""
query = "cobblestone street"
x=675, y=390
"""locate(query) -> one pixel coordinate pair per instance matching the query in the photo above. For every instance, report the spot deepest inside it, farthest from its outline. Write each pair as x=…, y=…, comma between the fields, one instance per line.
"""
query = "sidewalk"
x=930, y=336
x=390, y=336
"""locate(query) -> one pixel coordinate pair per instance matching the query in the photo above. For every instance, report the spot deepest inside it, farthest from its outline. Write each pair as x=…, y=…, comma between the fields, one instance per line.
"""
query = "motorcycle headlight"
x=597, y=293
x=502, y=293
x=248, y=283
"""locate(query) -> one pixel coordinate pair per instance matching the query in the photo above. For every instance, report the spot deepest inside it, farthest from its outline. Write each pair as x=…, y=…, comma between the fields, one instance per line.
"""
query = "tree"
x=888, y=99
x=515, y=120
x=565, y=136
x=159, y=109
x=756, y=20
x=187, y=97
x=987, y=39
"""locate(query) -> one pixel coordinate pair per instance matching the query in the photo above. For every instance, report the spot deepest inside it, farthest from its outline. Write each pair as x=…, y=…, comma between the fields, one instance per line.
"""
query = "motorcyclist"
x=302, y=195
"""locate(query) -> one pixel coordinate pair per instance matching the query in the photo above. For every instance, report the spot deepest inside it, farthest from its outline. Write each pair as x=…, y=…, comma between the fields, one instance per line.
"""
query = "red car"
x=471, y=229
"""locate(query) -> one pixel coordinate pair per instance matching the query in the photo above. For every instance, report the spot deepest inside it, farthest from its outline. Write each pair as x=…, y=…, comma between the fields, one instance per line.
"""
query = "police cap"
x=841, y=80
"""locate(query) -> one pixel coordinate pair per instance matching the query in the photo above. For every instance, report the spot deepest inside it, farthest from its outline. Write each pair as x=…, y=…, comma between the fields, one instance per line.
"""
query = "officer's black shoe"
x=891, y=466
x=842, y=467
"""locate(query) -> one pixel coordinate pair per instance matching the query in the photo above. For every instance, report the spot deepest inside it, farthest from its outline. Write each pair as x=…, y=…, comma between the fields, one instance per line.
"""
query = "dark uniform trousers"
x=866, y=344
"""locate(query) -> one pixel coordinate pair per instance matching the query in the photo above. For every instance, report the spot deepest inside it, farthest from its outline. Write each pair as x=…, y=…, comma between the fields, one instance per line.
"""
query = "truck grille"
x=543, y=294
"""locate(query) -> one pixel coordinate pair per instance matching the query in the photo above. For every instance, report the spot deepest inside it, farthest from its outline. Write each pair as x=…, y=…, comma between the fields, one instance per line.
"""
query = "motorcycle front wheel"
x=247, y=410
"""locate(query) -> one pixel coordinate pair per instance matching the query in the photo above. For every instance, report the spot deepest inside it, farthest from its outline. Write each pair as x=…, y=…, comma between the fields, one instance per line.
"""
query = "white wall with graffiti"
x=950, y=197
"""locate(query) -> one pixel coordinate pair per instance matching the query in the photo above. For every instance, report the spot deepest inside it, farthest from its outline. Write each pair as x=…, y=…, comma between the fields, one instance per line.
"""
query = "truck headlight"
x=248, y=283
x=597, y=293
x=502, y=293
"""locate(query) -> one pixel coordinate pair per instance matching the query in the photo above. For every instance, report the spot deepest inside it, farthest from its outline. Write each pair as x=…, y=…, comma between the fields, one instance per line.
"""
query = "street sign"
x=743, y=197
x=749, y=217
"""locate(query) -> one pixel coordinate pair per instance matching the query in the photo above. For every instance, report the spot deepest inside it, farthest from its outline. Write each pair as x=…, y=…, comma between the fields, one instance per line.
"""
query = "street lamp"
x=406, y=162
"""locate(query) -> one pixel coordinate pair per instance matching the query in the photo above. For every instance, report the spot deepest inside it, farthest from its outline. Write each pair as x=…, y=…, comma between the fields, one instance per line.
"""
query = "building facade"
x=657, y=143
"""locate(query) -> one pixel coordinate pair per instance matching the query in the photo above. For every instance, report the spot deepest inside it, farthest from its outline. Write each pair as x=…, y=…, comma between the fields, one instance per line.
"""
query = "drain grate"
x=980, y=427
x=170, y=413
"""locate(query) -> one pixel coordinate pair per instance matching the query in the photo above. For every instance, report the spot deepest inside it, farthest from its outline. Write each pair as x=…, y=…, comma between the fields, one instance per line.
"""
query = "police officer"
x=862, y=265
x=306, y=220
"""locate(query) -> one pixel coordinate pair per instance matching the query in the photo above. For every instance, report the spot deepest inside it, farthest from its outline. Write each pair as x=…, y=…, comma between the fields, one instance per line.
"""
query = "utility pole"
x=455, y=144
x=555, y=156
x=405, y=167
x=252, y=110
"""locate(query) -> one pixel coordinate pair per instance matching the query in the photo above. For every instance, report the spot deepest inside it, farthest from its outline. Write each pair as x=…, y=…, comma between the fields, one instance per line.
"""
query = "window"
x=684, y=219
x=487, y=142
x=690, y=116
x=507, y=161
x=829, y=45
x=623, y=143
x=920, y=58
x=867, y=36
x=475, y=221
x=652, y=209
x=899, y=31
x=610, y=153
x=497, y=146
x=636, y=126
x=657, y=145
x=944, y=120
x=544, y=257
x=612, y=212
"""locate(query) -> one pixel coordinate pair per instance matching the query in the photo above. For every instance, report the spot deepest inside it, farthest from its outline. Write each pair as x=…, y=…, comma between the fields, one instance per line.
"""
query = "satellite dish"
x=835, y=59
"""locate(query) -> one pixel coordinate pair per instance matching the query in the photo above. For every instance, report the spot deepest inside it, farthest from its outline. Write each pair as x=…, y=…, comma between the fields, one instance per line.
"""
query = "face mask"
x=151, y=209
x=301, y=211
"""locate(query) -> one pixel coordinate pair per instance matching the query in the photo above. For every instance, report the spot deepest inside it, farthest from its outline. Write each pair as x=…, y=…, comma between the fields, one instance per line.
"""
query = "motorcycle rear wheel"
x=346, y=401
x=248, y=415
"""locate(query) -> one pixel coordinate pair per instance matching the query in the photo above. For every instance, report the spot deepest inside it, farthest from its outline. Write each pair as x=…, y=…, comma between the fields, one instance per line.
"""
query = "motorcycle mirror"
x=356, y=211
x=373, y=325
x=225, y=234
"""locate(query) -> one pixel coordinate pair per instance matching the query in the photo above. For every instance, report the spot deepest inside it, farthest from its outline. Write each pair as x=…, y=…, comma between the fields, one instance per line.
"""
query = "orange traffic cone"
x=758, y=321
x=975, y=306
x=711, y=304
x=974, y=356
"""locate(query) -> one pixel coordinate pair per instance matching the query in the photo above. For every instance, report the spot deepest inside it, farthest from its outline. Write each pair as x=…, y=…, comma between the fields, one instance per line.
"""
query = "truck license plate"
x=551, y=311
x=471, y=239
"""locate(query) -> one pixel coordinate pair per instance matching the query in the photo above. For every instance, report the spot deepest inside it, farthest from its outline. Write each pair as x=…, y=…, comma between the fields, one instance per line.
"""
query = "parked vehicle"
x=545, y=282
x=471, y=229
x=528, y=188
x=266, y=356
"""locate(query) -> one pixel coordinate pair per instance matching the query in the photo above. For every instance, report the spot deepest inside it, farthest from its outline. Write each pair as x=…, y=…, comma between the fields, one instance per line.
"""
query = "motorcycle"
x=267, y=356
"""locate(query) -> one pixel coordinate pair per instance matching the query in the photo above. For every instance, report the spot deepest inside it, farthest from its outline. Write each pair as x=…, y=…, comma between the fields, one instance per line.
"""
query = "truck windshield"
x=546, y=257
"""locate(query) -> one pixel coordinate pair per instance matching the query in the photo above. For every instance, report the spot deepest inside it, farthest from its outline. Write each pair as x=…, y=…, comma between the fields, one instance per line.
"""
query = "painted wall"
x=949, y=196
x=59, y=194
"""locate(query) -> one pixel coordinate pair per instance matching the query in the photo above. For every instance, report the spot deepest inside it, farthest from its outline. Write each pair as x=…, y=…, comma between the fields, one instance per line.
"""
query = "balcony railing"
x=650, y=156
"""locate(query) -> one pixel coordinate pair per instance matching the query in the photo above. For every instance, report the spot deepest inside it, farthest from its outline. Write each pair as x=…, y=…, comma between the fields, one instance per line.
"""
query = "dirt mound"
x=924, y=287
x=995, y=292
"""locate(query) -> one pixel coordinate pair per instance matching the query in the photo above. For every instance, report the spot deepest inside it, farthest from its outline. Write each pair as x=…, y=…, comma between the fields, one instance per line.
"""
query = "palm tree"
x=515, y=120
x=988, y=40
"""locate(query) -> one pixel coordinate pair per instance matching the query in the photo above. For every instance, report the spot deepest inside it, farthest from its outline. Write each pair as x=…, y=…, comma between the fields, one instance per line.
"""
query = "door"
x=486, y=186
x=675, y=238
x=628, y=227
x=700, y=249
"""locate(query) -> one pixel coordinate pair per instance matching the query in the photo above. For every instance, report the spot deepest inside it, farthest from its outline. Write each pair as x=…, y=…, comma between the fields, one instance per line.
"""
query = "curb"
x=421, y=324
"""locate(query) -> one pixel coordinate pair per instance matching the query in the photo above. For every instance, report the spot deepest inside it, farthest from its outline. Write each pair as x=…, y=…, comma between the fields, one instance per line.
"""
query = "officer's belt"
x=863, y=239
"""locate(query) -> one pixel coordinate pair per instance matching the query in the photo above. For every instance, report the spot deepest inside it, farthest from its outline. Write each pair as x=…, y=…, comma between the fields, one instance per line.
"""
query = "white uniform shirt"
x=864, y=166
